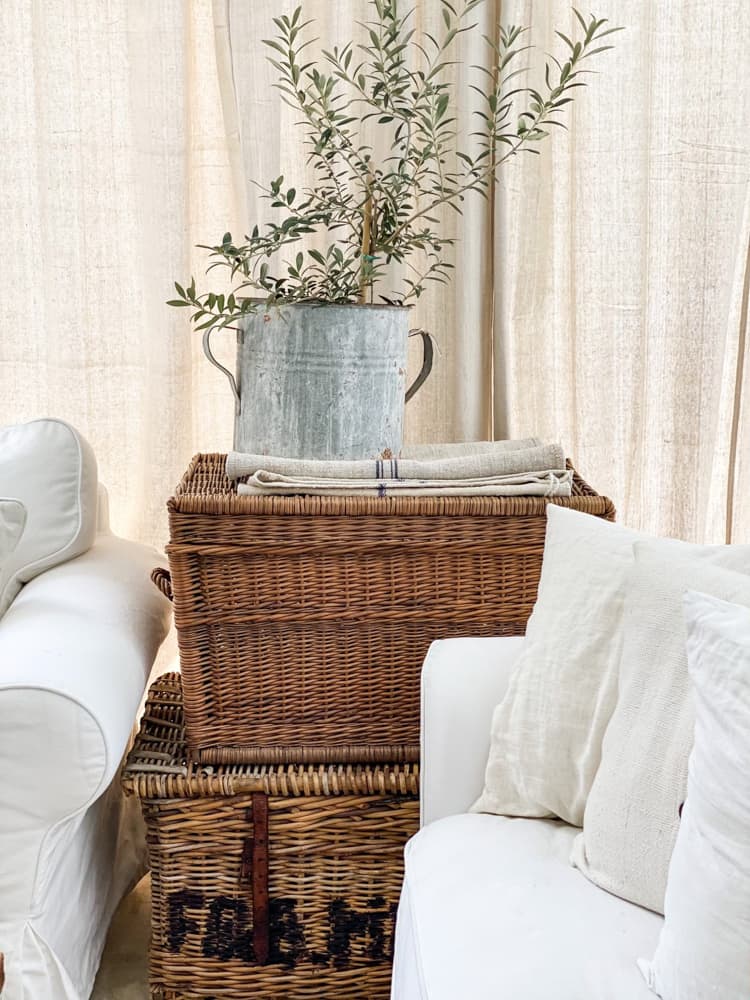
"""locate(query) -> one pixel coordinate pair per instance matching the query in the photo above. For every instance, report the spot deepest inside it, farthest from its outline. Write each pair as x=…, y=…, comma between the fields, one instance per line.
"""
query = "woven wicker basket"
x=302, y=622
x=268, y=881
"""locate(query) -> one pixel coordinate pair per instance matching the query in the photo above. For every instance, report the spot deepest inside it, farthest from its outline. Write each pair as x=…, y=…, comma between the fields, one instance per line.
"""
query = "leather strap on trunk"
x=255, y=870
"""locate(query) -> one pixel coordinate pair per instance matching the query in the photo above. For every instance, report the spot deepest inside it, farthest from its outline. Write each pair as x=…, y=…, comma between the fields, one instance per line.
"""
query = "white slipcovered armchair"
x=77, y=645
x=491, y=908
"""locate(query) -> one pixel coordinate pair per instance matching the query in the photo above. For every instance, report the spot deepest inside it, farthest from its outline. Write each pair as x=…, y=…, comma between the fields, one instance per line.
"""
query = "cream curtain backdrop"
x=611, y=268
x=621, y=261
x=113, y=163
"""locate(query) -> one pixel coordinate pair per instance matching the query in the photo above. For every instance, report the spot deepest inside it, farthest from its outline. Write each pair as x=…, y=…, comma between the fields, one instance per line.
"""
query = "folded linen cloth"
x=422, y=452
x=497, y=462
x=542, y=483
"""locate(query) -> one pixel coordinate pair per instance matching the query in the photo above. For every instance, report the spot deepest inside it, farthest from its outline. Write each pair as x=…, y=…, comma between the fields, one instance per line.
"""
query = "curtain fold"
x=598, y=295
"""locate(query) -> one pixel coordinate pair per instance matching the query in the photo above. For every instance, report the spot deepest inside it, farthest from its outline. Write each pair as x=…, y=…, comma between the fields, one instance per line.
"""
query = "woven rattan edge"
x=291, y=781
x=273, y=755
x=225, y=500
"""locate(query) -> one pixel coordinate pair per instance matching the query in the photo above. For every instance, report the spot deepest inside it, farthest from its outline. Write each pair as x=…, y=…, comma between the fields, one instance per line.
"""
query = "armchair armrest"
x=462, y=682
x=76, y=650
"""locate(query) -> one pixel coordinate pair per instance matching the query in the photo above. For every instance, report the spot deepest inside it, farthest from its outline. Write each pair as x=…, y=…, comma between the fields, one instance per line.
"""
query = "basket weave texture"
x=303, y=622
x=331, y=867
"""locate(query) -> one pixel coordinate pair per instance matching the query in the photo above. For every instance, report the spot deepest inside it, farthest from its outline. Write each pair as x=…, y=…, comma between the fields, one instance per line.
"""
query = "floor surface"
x=123, y=974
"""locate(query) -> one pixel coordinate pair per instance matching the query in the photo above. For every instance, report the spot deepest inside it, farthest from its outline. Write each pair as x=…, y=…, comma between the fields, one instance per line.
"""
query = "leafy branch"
x=370, y=213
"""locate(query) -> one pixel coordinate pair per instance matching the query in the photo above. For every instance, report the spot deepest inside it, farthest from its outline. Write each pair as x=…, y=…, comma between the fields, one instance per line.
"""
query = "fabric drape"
x=599, y=294
x=113, y=164
x=620, y=262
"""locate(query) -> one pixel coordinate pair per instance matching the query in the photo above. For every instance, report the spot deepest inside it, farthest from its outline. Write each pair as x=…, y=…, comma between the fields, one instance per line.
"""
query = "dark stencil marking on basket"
x=287, y=939
x=227, y=930
x=223, y=927
x=179, y=924
x=373, y=925
x=224, y=932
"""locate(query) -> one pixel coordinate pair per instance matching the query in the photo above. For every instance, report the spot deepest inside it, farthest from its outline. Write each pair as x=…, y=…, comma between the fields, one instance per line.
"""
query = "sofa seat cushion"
x=496, y=912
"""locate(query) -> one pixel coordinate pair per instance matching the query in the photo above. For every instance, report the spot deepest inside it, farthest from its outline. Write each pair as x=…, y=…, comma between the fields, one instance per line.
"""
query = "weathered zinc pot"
x=321, y=381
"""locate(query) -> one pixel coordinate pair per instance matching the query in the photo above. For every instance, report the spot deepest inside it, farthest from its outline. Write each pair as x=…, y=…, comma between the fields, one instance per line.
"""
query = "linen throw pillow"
x=704, y=947
x=632, y=814
x=547, y=731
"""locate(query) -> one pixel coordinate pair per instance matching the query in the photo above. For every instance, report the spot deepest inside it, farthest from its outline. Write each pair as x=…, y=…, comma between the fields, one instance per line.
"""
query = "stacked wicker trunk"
x=303, y=621
x=276, y=881
x=279, y=797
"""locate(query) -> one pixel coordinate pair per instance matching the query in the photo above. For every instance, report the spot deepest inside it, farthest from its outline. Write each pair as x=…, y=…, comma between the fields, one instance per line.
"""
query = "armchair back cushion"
x=50, y=469
x=12, y=522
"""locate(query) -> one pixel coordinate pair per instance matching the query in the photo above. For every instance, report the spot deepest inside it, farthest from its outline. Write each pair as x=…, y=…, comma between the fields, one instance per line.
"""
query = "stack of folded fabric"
x=485, y=468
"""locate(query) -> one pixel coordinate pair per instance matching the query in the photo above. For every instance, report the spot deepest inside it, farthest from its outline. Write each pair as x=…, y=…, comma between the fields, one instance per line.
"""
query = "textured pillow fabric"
x=704, y=948
x=547, y=731
x=51, y=470
x=632, y=813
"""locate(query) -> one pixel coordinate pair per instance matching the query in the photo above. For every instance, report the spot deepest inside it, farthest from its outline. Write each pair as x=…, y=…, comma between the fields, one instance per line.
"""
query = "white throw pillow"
x=632, y=813
x=704, y=948
x=51, y=470
x=547, y=732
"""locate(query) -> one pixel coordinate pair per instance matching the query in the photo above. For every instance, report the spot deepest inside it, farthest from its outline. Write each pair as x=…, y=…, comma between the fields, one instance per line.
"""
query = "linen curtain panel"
x=600, y=294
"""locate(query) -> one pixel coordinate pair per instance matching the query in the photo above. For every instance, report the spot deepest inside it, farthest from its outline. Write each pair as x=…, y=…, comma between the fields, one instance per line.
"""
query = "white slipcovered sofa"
x=77, y=645
x=491, y=908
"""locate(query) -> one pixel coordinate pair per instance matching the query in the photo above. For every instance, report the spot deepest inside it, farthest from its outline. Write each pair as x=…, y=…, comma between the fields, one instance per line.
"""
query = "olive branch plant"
x=372, y=213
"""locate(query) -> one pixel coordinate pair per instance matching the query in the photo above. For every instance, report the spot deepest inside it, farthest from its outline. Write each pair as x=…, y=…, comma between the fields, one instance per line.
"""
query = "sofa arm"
x=462, y=682
x=76, y=650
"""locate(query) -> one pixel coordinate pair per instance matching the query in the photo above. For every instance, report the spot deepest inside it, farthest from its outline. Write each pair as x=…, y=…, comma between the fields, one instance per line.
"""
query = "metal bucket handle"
x=209, y=354
x=427, y=362
x=428, y=357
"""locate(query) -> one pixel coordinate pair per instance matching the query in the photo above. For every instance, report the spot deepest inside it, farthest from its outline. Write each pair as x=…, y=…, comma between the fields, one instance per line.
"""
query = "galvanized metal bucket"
x=322, y=381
